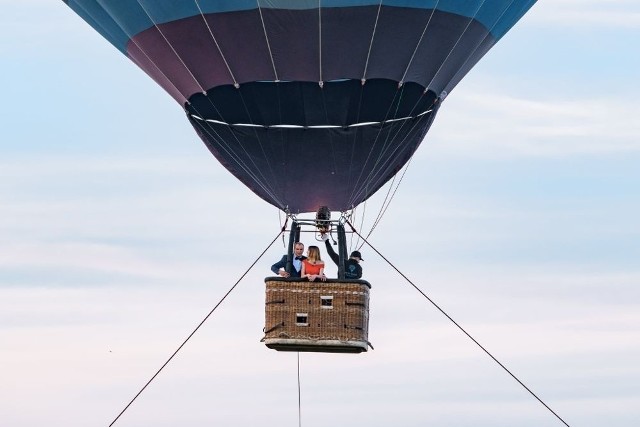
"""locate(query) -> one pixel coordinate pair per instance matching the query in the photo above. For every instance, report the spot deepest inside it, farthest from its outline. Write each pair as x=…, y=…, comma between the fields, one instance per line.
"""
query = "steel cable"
x=198, y=327
x=458, y=326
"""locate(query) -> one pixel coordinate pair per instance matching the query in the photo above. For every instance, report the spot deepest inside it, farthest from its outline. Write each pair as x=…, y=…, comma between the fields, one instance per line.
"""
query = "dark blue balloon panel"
x=307, y=106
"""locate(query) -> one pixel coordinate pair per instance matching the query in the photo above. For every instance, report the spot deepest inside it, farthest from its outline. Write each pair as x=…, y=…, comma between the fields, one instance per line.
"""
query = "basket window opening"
x=302, y=319
x=326, y=301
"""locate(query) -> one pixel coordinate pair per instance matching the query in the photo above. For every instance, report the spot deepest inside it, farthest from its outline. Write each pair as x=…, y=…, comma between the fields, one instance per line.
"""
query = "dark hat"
x=356, y=254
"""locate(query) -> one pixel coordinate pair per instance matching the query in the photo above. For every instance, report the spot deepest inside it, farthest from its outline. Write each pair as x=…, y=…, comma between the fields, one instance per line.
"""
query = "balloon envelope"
x=308, y=103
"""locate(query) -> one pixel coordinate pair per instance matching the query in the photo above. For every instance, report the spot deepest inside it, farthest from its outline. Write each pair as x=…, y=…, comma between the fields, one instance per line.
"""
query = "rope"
x=299, y=400
x=424, y=31
x=456, y=44
x=172, y=48
x=320, y=80
x=133, y=40
x=391, y=139
x=262, y=180
x=235, y=82
x=266, y=158
x=375, y=142
x=458, y=325
x=373, y=34
x=236, y=156
x=456, y=76
x=266, y=38
x=197, y=327
x=380, y=169
x=384, y=207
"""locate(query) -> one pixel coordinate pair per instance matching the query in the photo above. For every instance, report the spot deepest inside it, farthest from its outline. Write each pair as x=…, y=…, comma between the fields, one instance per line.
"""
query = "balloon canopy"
x=308, y=103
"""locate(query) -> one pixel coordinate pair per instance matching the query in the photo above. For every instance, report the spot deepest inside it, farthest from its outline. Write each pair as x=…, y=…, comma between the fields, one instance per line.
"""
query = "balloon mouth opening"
x=304, y=105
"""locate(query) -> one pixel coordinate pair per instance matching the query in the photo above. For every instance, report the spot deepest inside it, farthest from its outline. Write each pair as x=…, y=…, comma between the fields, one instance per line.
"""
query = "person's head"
x=313, y=253
x=298, y=249
x=356, y=255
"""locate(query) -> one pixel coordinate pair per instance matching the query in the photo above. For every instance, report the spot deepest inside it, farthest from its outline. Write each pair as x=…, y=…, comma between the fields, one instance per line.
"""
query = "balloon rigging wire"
x=261, y=182
x=329, y=134
x=457, y=324
x=133, y=40
x=471, y=20
x=364, y=210
x=489, y=32
x=355, y=138
x=321, y=82
x=380, y=175
x=265, y=182
x=266, y=37
x=373, y=34
x=235, y=82
x=171, y=46
x=384, y=207
x=220, y=142
x=199, y=325
x=388, y=141
x=424, y=31
x=260, y=143
x=375, y=142
x=400, y=83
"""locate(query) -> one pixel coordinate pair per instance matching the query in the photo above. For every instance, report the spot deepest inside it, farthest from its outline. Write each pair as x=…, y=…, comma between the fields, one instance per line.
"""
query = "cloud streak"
x=588, y=14
x=489, y=124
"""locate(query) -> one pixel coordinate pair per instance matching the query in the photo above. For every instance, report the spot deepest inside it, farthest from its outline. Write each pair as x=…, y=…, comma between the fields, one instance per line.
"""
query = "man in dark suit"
x=279, y=267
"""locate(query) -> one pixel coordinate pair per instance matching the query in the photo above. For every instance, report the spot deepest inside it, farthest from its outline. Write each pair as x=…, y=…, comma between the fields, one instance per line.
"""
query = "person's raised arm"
x=334, y=256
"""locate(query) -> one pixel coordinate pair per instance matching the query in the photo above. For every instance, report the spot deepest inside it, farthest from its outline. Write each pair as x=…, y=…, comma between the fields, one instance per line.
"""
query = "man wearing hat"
x=352, y=267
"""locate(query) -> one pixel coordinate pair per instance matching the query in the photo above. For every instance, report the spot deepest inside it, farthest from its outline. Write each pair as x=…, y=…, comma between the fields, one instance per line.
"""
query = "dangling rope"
x=198, y=327
x=299, y=402
x=457, y=325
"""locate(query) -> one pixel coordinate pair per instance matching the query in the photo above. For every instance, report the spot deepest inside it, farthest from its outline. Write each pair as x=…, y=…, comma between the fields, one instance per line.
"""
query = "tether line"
x=299, y=400
x=198, y=327
x=457, y=325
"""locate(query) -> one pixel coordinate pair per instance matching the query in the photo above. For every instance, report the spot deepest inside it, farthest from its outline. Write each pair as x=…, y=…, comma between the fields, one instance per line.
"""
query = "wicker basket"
x=331, y=316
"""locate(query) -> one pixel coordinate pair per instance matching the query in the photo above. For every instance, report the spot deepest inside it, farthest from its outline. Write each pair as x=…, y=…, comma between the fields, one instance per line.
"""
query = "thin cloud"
x=498, y=125
x=588, y=14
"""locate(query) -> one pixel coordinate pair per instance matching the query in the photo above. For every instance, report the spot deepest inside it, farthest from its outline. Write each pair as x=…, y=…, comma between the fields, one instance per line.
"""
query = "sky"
x=518, y=216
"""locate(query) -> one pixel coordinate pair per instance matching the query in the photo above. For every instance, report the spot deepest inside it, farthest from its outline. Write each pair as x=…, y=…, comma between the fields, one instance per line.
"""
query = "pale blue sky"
x=518, y=215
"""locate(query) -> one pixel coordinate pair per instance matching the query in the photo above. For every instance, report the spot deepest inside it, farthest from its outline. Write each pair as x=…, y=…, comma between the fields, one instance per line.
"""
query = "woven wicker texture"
x=333, y=310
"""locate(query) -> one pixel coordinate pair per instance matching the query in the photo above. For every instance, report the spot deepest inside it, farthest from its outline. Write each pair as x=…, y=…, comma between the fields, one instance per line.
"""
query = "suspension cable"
x=266, y=38
x=457, y=325
x=198, y=327
x=424, y=31
x=235, y=82
x=388, y=199
x=155, y=24
x=385, y=158
x=373, y=34
x=456, y=76
x=264, y=182
x=471, y=19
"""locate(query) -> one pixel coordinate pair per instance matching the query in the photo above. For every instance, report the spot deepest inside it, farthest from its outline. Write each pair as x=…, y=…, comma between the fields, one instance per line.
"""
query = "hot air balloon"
x=313, y=105
x=333, y=95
